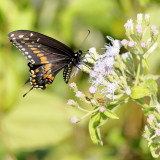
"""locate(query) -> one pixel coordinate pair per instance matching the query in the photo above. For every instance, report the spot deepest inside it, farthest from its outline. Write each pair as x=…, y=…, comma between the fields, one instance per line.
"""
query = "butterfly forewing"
x=46, y=56
x=37, y=47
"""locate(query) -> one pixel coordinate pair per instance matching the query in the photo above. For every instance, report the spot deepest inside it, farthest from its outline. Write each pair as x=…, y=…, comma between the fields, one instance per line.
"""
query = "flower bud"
x=102, y=109
x=139, y=18
x=129, y=27
x=74, y=120
x=71, y=102
x=92, y=90
x=147, y=19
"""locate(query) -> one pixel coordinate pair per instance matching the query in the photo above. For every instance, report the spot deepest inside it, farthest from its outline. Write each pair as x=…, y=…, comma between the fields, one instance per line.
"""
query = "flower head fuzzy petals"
x=109, y=61
x=111, y=51
x=109, y=96
x=111, y=87
x=92, y=50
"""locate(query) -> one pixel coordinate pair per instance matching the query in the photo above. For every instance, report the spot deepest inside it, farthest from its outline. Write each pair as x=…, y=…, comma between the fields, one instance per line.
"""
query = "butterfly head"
x=77, y=55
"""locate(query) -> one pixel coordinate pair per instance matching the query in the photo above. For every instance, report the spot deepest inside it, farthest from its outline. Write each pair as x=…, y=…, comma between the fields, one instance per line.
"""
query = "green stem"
x=89, y=113
x=82, y=109
x=137, y=75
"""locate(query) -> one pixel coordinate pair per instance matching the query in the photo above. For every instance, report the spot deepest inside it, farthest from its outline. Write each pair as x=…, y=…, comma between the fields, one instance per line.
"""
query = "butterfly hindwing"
x=43, y=75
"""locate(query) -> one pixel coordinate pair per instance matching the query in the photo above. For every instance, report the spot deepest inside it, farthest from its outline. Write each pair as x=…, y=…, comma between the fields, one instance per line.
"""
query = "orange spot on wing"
x=45, y=62
x=43, y=59
x=36, y=51
x=52, y=78
x=33, y=48
x=45, y=76
x=47, y=66
x=39, y=55
x=37, y=70
x=48, y=70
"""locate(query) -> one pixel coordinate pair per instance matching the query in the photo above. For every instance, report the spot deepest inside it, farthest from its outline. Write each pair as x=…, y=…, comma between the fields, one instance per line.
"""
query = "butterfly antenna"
x=85, y=38
x=28, y=92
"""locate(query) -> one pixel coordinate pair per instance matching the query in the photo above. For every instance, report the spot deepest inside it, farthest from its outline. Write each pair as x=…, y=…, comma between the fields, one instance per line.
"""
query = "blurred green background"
x=37, y=127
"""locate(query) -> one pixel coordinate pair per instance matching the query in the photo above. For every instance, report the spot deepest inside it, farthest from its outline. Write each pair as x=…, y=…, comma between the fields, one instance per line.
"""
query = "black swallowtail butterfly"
x=46, y=57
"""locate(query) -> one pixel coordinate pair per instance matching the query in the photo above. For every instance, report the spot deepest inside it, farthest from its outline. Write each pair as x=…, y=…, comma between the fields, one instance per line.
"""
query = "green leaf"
x=139, y=92
x=110, y=114
x=155, y=151
x=152, y=85
x=111, y=106
x=94, y=130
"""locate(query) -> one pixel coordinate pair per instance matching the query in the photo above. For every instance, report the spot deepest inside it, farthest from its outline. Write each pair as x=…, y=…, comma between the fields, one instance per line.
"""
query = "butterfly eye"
x=79, y=52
